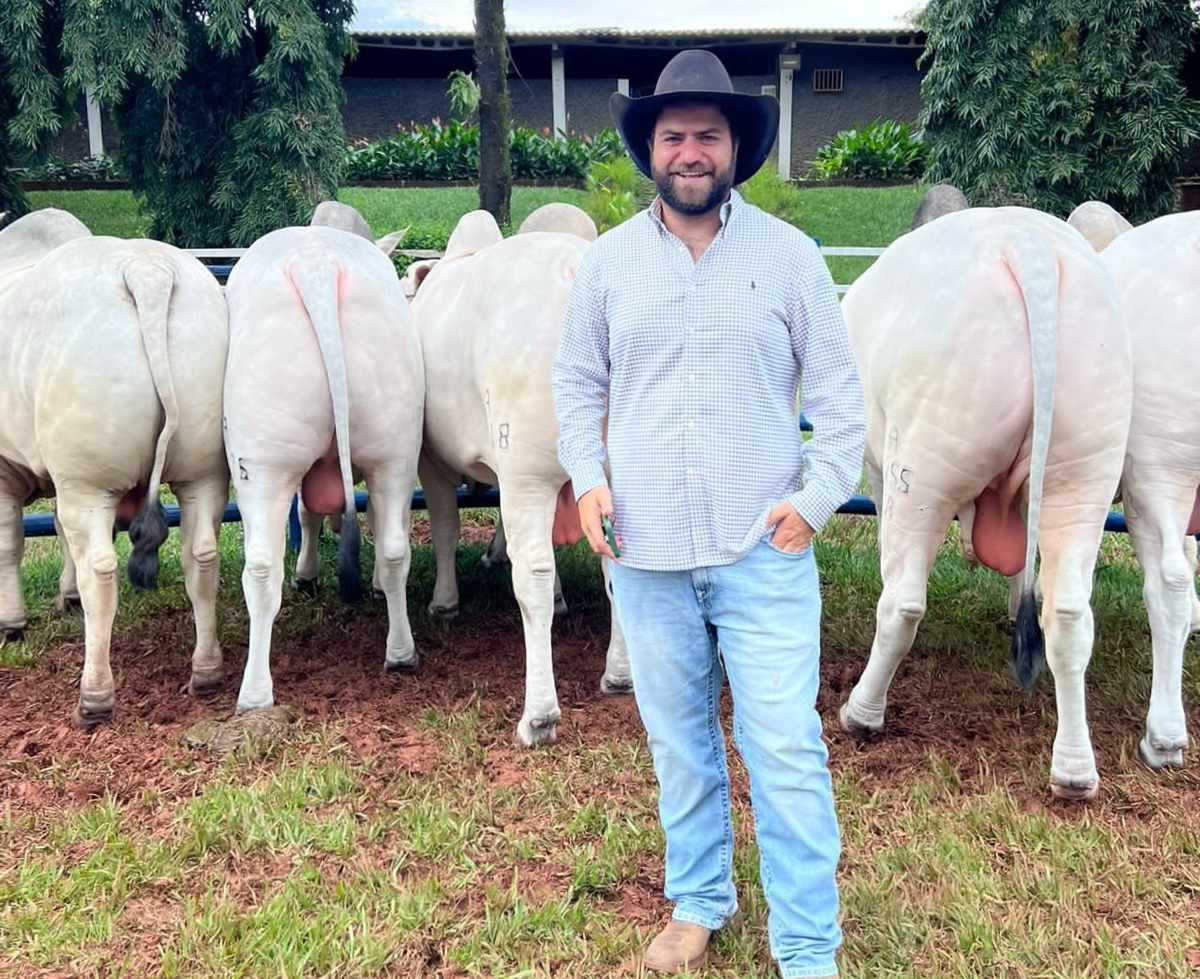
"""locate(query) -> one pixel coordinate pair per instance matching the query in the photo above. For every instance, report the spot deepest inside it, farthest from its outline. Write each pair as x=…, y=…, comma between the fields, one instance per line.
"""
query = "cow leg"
x=377, y=589
x=909, y=541
x=201, y=508
x=497, y=553
x=441, y=500
x=264, y=503
x=618, y=675
x=12, y=550
x=1189, y=554
x=497, y=549
x=304, y=577
x=1068, y=562
x=527, y=507
x=68, y=583
x=1169, y=590
x=87, y=522
x=391, y=493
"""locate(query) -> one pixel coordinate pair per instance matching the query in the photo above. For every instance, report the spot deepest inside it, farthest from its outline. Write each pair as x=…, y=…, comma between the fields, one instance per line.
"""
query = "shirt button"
x=691, y=377
x=691, y=423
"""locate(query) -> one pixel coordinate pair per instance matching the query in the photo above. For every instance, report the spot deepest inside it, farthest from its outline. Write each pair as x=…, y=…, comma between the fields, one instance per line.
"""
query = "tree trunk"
x=491, y=62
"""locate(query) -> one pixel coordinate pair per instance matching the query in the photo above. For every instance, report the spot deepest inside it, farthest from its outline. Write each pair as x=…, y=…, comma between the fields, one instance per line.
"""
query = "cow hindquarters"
x=264, y=503
x=1156, y=515
x=87, y=521
x=527, y=507
x=12, y=550
x=909, y=537
x=391, y=491
x=201, y=508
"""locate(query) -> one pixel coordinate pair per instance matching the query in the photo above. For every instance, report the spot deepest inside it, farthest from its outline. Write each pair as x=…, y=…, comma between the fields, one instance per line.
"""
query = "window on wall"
x=827, y=80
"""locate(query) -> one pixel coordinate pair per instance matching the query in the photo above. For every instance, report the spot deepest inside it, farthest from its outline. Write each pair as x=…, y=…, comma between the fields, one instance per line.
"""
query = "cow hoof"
x=616, y=684
x=305, y=586
x=857, y=726
x=538, y=730
x=403, y=666
x=1075, y=791
x=85, y=718
x=203, y=685
x=1166, y=753
x=444, y=614
x=67, y=603
x=12, y=633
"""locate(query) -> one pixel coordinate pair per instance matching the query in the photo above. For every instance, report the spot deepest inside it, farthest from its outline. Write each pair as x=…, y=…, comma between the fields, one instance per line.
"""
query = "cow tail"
x=150, y=282
x=1036, y=269
x=317, y=284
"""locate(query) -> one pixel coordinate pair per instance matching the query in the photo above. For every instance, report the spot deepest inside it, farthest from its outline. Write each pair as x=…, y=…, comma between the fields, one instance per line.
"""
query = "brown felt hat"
x=699, y=76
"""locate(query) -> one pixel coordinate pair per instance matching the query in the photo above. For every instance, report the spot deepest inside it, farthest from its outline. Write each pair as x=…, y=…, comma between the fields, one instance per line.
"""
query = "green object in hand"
x=606, y=523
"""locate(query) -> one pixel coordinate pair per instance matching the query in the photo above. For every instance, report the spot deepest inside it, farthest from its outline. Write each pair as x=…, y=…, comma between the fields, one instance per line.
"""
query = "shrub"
x=99, y=167
x=451, y=152
x=616, y=191
x=773, y=194
x=881, y=150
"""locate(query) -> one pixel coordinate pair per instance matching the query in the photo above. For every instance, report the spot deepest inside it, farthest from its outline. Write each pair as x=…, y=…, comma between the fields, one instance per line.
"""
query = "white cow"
x=1098, y=222
x=113, y=352
x=1156, y=270
x=489, y=315
x=997, y=371
x=559, y=216
x=324, y=379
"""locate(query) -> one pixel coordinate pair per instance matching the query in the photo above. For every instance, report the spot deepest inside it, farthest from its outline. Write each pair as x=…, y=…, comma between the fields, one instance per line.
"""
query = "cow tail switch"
x=150, y=282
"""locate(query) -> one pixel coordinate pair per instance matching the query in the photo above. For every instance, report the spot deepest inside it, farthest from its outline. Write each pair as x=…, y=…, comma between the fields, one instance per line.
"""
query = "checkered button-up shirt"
x=697, y=364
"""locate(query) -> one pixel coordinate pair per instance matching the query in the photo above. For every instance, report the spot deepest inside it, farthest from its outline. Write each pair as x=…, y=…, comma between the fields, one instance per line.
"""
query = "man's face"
x=692, y=154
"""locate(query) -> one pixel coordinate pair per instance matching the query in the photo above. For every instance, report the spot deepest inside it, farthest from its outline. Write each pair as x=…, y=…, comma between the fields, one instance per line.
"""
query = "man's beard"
x=692, y=205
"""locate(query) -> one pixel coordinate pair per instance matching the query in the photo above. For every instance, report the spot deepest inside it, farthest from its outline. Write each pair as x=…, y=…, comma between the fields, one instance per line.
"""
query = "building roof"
x=885, y=37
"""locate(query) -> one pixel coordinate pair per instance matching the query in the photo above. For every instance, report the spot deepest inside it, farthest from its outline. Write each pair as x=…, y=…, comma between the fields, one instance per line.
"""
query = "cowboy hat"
x=699, y=76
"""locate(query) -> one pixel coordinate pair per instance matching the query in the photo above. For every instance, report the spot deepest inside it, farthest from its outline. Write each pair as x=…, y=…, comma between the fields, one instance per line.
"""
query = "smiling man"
x=691, y=325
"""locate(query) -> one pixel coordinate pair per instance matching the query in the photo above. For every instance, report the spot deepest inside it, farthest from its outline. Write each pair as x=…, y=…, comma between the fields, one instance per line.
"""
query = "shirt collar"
x=727, y=210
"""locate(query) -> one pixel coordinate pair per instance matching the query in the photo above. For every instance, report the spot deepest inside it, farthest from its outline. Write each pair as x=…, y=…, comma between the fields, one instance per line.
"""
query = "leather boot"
x=681, y=945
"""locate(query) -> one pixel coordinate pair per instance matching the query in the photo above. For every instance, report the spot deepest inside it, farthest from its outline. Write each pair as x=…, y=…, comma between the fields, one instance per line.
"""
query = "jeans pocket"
x=807, y=548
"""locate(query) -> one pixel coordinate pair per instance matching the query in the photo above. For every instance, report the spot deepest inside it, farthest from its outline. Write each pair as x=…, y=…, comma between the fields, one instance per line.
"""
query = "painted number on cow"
x=503, y=433
x=900, y=475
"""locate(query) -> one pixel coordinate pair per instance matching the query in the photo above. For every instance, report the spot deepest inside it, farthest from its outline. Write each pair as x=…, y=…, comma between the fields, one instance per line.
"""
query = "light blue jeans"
x=764, y=612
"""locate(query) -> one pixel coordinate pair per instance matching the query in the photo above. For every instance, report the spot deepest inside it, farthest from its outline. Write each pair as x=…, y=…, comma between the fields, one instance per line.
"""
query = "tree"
x=227, y=110
x=491, y=62
x=1055, y=102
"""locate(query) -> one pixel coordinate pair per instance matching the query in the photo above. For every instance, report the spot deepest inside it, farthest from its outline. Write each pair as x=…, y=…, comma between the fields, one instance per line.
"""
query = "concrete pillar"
x=788, y=63
x=94, y=124
x=558, y=89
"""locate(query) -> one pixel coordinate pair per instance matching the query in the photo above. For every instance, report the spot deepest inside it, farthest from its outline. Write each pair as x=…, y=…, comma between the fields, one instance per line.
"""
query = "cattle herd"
x=1020, y=372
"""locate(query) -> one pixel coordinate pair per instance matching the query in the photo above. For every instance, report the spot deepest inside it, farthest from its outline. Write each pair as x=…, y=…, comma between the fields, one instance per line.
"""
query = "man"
x=690, y=325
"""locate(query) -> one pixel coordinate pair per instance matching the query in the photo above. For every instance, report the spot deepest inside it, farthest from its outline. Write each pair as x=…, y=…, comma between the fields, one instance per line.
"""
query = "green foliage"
x=768, y=190
x=616, y=191
x=451, y=152
x=883, y=149
x=98, y=167
x=463, y=94
x=1054, y=103
x=228, y=110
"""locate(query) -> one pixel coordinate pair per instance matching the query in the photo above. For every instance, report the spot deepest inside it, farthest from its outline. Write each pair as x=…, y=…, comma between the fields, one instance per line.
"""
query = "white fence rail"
x=834, y=251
